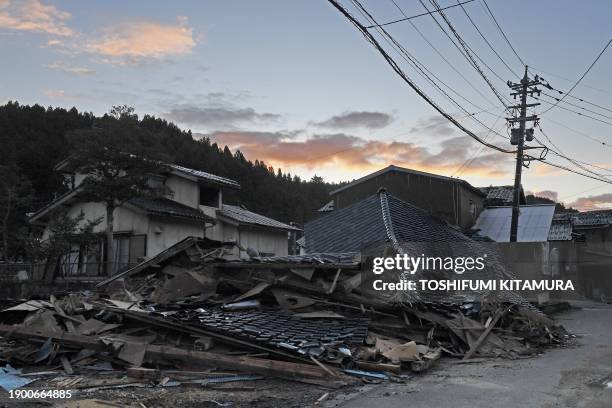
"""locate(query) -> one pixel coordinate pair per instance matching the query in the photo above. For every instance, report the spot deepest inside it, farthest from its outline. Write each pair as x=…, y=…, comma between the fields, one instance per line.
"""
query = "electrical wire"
x=370, y=38
x=570, y=110
x=586, y=135
x=486, y=40
x=501, y=31
x=578, y=98
x=406, y=18
x=450, y=65
x=577, y=106
x=421, y=69
x=468, y=52
x=583, y=75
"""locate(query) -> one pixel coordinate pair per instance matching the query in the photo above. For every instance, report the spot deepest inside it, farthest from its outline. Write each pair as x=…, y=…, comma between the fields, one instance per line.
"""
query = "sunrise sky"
x=294, y=84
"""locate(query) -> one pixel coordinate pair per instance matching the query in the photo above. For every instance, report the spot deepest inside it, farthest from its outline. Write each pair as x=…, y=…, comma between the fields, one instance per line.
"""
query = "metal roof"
x=378, y=218
x=393, y=168
x=534, y=223
x=243, y=216
x=206, y=176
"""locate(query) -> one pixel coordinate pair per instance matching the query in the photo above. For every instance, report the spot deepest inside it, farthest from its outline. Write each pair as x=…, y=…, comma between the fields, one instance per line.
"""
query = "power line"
x=502, y=31
x=370, y=38
x=406, y=18
x=461, y=169
x=579, y=99
x=485, y=39
x=607, y=91
x=599, y=141
x=468, y=51
x=405, y=54
x=577, y=106
x=583, y=75
x=571, y=110
x=452, y=66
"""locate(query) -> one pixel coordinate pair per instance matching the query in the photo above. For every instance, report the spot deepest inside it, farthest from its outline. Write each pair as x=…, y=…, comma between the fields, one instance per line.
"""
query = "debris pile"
x=197, y=314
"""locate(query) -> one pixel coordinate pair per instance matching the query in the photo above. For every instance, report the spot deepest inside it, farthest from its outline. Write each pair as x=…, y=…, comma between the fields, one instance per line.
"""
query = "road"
x=579, y=377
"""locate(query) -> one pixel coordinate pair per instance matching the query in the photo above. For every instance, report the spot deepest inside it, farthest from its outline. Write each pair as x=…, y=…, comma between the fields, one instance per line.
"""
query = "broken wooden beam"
x=272, y=368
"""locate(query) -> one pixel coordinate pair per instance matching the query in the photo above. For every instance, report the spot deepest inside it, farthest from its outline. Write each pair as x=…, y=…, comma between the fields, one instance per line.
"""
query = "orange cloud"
x=34, y=16
x=340, y=150
x=137, y=41
x=595, y=202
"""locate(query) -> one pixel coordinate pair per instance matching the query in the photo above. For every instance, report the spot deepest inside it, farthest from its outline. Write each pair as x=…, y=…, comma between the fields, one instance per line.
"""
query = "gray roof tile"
x=244, y=216
x=348, y=229
x=206, y=176
x=165, y=207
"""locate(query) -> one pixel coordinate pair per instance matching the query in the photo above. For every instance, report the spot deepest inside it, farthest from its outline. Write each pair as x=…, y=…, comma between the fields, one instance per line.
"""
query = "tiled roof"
x=206, y=176
x=164, y=207
x=503, y=193
x=598, y=217
x=347, y=229
x=244, y=216
x=560, y=230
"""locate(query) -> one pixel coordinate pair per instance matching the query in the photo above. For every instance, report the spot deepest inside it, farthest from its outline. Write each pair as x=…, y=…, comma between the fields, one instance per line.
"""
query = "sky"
x=293, y=83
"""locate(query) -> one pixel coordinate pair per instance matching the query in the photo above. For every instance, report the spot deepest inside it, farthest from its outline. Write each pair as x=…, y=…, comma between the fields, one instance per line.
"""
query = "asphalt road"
x=569, y=377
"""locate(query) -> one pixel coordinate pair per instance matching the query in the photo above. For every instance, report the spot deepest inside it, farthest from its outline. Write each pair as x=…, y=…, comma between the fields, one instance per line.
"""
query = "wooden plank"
x=273, y=368
x=484, y=335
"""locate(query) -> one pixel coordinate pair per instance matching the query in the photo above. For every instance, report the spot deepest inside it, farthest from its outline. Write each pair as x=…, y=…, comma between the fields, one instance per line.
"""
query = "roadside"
x=568, y=377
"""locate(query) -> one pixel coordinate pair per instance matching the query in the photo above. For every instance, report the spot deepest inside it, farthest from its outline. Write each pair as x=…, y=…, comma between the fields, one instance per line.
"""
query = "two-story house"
x=143, y=227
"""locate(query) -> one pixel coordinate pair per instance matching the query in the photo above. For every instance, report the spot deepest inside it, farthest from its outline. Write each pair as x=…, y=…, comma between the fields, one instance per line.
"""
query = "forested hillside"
x=33, y=139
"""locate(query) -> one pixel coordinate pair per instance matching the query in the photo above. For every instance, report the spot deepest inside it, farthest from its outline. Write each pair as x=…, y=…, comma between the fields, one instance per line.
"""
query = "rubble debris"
x=10, y=378
x=196, y=314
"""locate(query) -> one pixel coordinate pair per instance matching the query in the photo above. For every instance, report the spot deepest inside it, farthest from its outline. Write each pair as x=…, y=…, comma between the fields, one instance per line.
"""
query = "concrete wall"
x=446, y=199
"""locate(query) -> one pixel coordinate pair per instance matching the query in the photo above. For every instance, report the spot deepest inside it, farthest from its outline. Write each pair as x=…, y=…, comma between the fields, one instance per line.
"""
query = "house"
x=144, y=227
x=501, y=196
x=592, y=233
x=454, y=200
x=379, y=218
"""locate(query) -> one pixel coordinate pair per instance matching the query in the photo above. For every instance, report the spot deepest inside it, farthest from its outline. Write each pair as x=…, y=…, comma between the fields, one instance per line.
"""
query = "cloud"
x=341, y=150
x=135, y=42
x=34, y=16
x=54, y=93
x=433, y=125
x=551, y=195
x=218, y=116
x=593, y=202
x=68, y=69
x=357, y=119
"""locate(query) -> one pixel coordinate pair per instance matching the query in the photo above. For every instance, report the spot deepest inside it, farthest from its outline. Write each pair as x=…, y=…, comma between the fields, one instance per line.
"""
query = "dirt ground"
x=580, y=376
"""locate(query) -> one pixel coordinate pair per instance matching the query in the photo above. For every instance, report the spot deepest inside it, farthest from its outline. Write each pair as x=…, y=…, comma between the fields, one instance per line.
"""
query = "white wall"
x=270, y=241
x=185, y=191
x=171, y=233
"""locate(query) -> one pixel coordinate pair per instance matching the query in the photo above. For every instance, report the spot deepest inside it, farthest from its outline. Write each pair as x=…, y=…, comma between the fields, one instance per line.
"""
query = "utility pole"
x=518, y=137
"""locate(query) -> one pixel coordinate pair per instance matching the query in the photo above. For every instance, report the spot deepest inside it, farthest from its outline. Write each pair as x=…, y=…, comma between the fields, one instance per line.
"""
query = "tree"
x=115, y=174
x=64, y=233
x=15, y=197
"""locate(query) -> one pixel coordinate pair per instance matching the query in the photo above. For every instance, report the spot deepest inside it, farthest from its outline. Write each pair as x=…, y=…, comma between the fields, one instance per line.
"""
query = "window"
x=129, y=250
x=209, y=196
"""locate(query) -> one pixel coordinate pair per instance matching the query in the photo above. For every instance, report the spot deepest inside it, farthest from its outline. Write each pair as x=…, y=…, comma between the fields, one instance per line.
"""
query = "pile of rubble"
x=195, y=314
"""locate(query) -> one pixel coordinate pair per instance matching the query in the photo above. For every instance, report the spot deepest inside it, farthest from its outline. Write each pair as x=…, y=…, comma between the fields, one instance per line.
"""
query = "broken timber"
x=280, y=369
